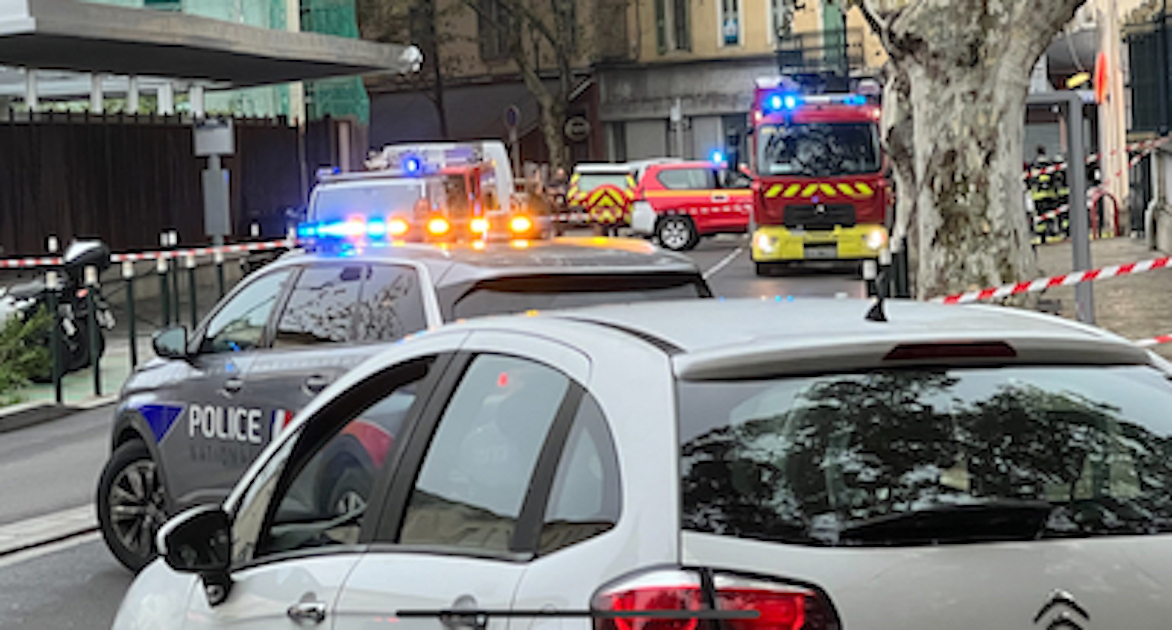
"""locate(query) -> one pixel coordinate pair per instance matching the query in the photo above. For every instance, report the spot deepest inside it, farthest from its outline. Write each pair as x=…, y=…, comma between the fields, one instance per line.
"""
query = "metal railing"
x=834, y=52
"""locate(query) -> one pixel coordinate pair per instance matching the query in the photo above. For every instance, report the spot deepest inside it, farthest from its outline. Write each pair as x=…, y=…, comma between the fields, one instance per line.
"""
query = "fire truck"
x=445, y=192
x=820, y=190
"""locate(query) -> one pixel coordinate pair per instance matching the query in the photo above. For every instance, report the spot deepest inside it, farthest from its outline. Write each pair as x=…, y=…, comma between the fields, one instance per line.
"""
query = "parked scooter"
x=25, y=300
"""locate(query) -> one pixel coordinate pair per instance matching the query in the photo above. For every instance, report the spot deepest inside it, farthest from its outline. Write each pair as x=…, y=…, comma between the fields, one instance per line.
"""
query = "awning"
x=85, y=37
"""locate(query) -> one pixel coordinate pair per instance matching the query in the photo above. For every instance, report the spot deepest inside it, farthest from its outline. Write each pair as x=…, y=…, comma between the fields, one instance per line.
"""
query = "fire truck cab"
x=820, y=188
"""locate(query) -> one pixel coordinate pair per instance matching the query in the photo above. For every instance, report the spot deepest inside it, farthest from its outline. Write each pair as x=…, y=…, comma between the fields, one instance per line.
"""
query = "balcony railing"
x=835, y=52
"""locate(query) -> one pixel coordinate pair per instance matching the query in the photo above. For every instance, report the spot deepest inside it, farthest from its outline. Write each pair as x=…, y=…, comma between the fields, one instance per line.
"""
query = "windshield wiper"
x=1001, y=519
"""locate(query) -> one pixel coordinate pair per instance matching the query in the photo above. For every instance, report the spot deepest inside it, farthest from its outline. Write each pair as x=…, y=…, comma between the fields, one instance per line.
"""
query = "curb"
x=22, y=415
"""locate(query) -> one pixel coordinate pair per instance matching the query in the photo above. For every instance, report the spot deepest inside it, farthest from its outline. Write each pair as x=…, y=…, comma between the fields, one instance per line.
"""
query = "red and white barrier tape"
x=1096, y=193
x=1154, y=341
x=21, y=263
x=1064, y=280
x=54, y=261
x=571, y=217
x=1144, y=147
x=203, y=251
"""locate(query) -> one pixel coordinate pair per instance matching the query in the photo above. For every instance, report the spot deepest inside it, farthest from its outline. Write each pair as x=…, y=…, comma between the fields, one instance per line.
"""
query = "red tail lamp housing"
x=779, y=605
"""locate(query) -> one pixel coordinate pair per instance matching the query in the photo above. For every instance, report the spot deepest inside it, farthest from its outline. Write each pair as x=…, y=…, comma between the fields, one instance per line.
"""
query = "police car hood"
x=562, y=256
x=1084, y=584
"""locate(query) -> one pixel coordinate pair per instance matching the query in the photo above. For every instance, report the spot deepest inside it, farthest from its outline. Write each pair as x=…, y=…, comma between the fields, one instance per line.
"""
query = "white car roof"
x=715, y=339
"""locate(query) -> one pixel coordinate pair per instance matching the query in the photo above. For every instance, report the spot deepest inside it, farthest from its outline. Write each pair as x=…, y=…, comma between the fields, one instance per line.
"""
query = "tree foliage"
x=24, y=352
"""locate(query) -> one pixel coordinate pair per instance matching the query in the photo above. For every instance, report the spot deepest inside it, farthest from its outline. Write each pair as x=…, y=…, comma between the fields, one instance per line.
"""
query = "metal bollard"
x=190, y=260
x=91, y=283
x=164, y=290
x=870, y=276
x=128, y=277
x=53, y=289
x=884, y=275
x=173, y=241
x=219, y=259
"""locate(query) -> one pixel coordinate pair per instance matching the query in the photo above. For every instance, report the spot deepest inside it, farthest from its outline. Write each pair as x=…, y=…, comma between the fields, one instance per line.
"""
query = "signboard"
x=213, y=136
x=577, y=128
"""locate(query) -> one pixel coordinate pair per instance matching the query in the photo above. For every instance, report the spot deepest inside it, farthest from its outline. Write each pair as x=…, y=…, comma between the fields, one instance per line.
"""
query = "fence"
x=124, y=179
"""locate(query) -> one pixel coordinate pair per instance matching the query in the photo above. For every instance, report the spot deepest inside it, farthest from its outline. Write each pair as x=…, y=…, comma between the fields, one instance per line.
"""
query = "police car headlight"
x=876, y=239
x=766, y=243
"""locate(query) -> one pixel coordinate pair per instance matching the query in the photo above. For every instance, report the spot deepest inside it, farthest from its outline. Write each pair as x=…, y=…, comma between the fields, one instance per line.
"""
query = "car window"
x=322, y=497
x=950, y=455
x=476, y=473
x=687, y=179
x=391, y=304
x=320, y=306
x=589, y=181
x=240, y=324
x=585, y=497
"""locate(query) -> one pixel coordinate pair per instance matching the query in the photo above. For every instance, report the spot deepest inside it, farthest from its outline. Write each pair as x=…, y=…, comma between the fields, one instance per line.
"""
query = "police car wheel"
x=676, y=233
x=131, y=505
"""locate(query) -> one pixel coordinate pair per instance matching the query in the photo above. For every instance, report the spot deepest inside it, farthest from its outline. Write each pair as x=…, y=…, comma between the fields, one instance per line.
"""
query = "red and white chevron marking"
x=1154, y=341
x=1064, y=280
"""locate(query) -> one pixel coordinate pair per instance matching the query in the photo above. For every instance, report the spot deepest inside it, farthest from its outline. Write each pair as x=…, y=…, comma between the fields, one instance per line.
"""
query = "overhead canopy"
x=84, y=37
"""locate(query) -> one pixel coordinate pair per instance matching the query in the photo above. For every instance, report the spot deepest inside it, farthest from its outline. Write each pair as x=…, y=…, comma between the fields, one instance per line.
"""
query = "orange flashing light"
x=438, y=226
x=520, y=224
x=397, y=227
x=479, y=225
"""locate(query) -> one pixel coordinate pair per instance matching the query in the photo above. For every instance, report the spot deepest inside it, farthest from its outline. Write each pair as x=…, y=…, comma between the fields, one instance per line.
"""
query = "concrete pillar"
x=31, y=99
x=296, y=89
x=166, y=96
x=132, y=94
x=97, y=96
x=195, y=99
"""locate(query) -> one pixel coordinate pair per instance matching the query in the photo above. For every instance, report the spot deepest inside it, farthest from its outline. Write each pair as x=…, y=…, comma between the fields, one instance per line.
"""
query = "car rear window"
x=929, y=456
x=590, y=181
x=517, y=295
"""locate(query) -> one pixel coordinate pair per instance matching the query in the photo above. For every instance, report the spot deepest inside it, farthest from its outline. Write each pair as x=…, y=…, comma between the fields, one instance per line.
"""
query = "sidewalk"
x=78, y=388
x=1136, y=307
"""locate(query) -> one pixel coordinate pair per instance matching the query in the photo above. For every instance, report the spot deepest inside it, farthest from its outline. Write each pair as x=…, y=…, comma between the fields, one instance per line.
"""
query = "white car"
x=952, y=467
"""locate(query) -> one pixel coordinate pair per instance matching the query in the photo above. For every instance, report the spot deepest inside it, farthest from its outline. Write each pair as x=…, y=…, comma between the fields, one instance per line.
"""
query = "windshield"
x=336, y=203
x=517, y=295
x=818, y=149
x=929, y=456
x=590, y=181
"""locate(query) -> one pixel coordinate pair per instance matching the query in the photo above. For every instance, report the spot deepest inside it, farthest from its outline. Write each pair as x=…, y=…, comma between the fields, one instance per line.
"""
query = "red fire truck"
x=820, y=190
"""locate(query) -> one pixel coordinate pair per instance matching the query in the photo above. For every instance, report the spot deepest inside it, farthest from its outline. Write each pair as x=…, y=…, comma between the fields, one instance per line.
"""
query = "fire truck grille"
x=819, y=217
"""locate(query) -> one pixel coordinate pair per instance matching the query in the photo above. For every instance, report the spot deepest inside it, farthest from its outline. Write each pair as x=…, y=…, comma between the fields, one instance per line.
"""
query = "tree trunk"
x=954, y=115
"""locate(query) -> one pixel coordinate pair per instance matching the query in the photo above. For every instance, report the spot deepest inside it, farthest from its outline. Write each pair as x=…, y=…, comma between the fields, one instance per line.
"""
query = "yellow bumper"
x=777, y=243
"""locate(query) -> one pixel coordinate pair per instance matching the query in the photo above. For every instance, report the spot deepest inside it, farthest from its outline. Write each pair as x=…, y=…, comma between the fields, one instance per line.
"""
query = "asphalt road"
x=55, y=466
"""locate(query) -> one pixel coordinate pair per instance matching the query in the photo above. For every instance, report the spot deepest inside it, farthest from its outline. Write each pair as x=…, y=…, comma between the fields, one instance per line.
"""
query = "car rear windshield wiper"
x=1000, y=519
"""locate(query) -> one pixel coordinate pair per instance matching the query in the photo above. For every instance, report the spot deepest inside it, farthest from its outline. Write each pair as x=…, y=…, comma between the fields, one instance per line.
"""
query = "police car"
x=798, y=466
x=188, y=423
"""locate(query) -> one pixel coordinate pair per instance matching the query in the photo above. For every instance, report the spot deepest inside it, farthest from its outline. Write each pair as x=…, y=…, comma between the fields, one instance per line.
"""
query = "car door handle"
x=720, y=198
x=307, y=611
x=233, y=385
x=316, y=383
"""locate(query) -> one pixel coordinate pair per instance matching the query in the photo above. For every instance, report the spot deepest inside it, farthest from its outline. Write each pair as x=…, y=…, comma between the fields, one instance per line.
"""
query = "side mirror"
x=171, y=343
x=199, y=541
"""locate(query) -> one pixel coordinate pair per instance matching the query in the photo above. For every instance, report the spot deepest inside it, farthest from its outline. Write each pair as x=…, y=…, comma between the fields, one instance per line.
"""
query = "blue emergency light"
x=412, y=164
x=717, y=157
x=780, y=102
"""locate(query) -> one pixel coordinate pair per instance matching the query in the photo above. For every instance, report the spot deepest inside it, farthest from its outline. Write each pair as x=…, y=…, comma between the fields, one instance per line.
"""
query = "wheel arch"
x=129, y=426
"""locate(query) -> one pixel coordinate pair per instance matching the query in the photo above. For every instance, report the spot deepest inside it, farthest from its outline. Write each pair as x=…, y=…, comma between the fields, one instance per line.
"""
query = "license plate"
x=822, y=252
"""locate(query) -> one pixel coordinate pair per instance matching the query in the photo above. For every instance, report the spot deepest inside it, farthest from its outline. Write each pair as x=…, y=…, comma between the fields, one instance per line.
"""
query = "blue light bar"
x=412, y=165
x=779, y=102
x=855, y=99
x=718, y=157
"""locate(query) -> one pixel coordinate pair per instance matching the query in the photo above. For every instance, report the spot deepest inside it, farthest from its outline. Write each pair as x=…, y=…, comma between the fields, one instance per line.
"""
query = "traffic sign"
x=512, y=117
x=577, y=128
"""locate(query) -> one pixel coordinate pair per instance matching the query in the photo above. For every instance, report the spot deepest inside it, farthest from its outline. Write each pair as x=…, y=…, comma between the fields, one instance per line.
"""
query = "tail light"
x=778, y=605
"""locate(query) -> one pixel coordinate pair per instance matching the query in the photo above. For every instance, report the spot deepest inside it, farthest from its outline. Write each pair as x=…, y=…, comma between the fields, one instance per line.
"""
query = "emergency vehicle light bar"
x=782, y=102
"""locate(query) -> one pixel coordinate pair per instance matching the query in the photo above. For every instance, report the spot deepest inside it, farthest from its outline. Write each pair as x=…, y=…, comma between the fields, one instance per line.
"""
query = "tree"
x=953, y=119
x=541, y=26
